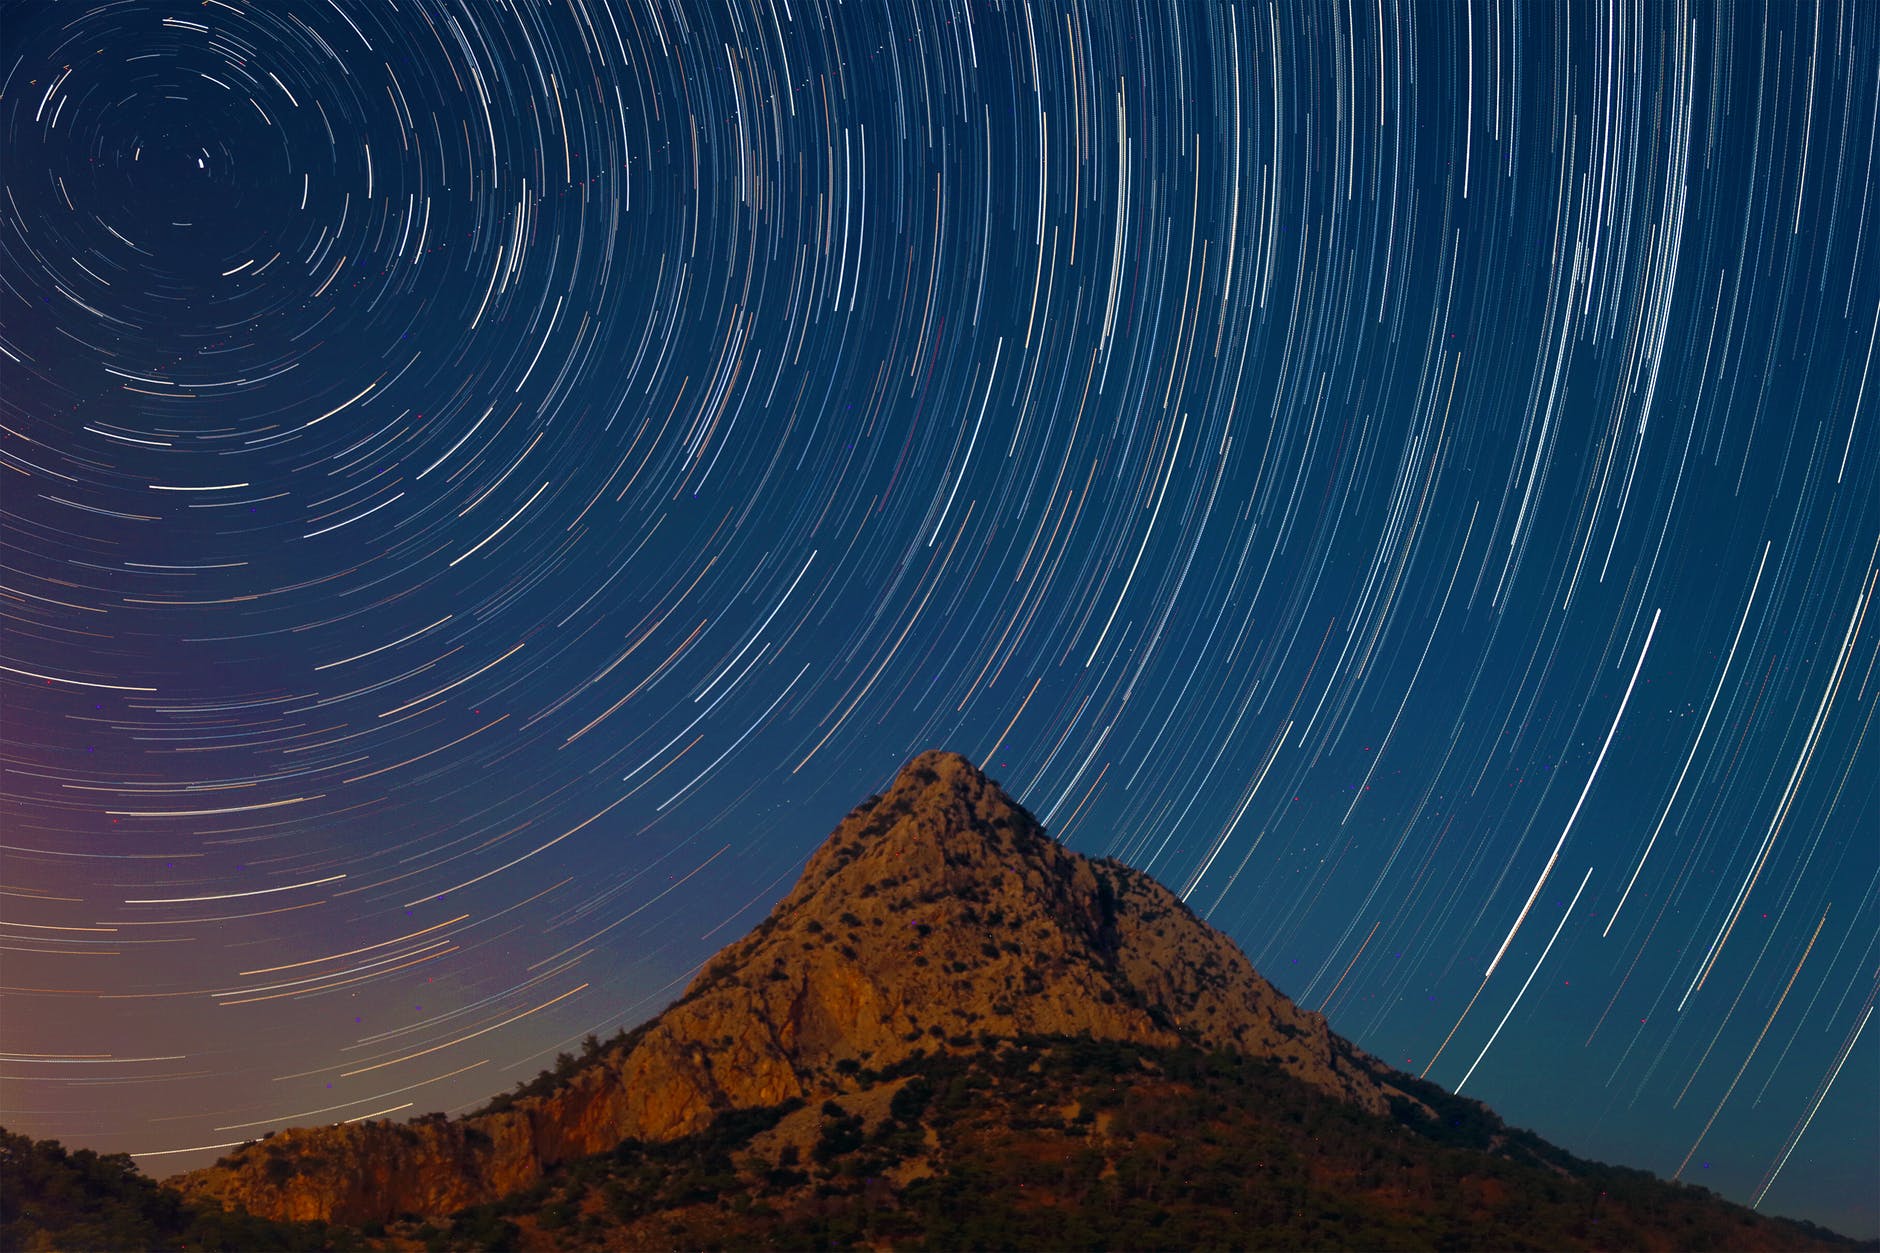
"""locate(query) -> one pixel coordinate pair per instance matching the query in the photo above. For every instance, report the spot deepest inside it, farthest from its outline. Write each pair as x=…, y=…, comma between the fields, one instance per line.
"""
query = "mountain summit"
x=936, y=916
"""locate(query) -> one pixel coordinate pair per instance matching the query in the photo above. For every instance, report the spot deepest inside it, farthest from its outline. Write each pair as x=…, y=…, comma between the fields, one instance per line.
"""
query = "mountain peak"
x=938, y=797
x=938, y=766
x=937, y=916
x=941, y=799
x=941, y=820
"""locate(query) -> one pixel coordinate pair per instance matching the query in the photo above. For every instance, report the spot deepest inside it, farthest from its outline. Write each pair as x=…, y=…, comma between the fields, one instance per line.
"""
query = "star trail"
x=488, y=485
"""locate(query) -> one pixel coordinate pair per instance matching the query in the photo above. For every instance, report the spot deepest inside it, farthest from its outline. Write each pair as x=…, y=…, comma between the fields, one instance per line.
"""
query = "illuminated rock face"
x=935, y=914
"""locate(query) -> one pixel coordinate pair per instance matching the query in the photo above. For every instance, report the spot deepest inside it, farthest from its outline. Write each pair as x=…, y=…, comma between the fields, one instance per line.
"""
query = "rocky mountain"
x=936, y=914
x=952, y=1033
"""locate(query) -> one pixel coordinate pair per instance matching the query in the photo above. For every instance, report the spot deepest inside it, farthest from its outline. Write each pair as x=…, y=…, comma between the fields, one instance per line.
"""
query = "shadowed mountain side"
x=936, y=914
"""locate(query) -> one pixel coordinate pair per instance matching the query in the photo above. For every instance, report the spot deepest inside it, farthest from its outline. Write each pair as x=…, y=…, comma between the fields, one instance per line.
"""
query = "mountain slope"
x=935, y=914
x=954, y=1033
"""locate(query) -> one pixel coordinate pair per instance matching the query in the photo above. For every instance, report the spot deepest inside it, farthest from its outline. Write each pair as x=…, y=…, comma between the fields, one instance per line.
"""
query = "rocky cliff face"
x=935, y=914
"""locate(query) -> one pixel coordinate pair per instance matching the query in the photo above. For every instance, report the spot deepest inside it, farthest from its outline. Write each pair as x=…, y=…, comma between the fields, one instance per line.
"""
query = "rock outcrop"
x=936, y=914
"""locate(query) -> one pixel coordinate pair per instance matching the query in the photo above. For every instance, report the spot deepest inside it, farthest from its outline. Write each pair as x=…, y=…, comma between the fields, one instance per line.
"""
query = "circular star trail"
x=487, y=486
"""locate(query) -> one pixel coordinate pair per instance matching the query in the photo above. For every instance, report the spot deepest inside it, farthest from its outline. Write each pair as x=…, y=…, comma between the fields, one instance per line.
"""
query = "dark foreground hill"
x=954, y=1033
x=78, y=1200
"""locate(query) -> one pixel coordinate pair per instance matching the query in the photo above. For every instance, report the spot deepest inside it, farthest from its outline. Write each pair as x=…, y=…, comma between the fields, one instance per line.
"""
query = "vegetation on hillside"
x=1081, y=1144
x=566, y=1067
x=1039, y=1143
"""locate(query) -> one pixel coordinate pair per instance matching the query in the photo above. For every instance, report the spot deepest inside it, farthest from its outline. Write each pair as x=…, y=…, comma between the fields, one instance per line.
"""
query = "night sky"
x=488, y=485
